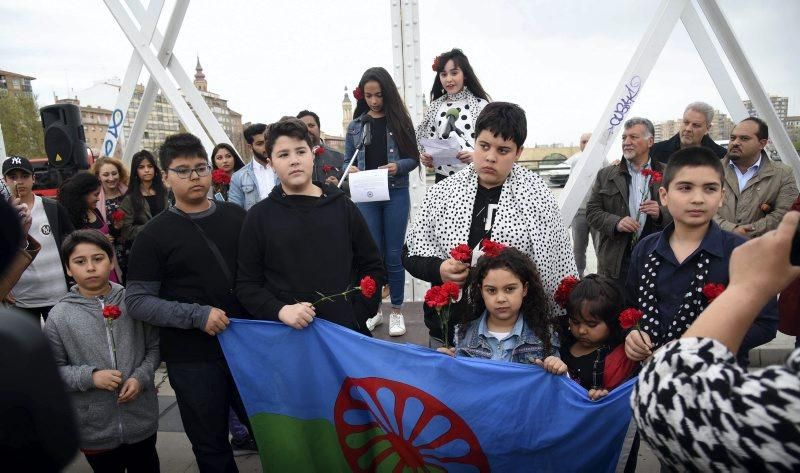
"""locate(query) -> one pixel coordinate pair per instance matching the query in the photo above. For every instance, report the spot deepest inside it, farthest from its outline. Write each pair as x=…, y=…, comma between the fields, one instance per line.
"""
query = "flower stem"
x=330, y=298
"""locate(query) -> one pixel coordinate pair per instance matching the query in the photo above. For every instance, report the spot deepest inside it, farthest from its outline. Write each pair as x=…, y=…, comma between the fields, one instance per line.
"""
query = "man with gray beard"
x=622, y=208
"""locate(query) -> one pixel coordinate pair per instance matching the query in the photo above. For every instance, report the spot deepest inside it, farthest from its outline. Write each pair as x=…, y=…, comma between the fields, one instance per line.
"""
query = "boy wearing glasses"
x=180, y=278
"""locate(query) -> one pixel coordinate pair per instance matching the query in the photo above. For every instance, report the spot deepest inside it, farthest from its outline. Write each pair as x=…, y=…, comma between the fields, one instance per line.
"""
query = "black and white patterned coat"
x=435, y=121
x=700, y=411
x=528, y=219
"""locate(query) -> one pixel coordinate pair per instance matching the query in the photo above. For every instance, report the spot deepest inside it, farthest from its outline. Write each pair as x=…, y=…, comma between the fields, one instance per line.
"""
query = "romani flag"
x=328, y=399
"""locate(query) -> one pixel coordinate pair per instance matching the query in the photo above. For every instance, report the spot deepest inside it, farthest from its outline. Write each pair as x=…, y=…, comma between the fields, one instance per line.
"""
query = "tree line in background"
x=22, y=128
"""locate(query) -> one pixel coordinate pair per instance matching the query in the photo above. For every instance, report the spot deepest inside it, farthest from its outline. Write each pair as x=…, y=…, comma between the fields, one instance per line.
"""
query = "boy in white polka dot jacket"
x=492, y=198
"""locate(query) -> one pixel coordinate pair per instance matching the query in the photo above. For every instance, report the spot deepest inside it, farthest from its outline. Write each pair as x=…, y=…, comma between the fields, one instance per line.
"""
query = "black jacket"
x=60, y=224
x=662, y=150
x=57, y=216
x=292, y=248
x=607, y=205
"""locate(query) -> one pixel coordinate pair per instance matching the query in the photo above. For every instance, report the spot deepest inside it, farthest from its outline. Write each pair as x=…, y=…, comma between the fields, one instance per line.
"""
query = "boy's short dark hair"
x=253, y=130
x=90, y=236
x=692, y=156
x=180, y=145
x=504, y=119
x=763, y=130
x=288, y=126
x=309, y=113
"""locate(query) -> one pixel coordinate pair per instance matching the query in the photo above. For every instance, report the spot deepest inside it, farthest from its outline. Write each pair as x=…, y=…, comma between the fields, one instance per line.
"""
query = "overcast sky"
x=558, y=60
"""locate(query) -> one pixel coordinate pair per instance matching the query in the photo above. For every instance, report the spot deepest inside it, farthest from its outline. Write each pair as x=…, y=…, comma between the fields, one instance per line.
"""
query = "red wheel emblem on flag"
x=389, y=426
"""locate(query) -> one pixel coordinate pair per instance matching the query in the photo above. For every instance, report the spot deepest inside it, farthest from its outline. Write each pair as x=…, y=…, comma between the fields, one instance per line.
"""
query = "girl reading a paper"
x=392, y=146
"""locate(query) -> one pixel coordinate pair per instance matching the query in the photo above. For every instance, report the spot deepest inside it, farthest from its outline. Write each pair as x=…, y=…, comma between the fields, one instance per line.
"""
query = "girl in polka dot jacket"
x=458, y=91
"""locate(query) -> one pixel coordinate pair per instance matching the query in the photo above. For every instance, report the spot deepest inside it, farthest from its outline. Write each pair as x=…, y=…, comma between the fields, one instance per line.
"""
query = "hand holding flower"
x=298, y=315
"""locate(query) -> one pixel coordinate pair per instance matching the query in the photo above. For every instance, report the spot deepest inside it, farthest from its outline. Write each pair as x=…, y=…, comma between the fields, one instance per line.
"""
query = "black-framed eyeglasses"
x=186, y=173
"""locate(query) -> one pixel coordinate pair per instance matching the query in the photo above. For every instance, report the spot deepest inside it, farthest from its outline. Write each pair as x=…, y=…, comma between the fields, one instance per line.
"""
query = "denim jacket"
x=243, y=190
x=472, y=341
x=404, y=164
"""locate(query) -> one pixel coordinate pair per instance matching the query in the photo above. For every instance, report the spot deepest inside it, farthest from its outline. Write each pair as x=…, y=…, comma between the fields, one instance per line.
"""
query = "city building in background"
x=97, y=104
x=347, y=112
x=16, y=84
x=780, y=104
x=95, y=123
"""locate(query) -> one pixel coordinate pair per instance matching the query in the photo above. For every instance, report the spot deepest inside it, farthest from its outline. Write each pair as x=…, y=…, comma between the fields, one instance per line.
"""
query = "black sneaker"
x=247, y=443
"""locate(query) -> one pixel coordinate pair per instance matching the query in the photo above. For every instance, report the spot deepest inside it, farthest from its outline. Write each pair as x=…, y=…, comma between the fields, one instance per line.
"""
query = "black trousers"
x=205, y=392
x=140, y=457
x=35, y=312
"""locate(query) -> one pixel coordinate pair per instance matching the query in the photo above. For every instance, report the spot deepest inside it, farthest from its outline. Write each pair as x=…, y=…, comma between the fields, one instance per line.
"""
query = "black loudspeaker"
x=64, y=140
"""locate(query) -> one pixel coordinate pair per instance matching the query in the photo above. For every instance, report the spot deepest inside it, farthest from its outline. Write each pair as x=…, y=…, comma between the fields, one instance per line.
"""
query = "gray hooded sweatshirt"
x=77, y=334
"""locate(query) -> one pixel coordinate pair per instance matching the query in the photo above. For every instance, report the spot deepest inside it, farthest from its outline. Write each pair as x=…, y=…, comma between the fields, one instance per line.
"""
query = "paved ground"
x=176, y=454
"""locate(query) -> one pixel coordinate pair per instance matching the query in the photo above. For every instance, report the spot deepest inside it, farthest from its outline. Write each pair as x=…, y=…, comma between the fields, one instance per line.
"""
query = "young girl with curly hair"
x=511, y=319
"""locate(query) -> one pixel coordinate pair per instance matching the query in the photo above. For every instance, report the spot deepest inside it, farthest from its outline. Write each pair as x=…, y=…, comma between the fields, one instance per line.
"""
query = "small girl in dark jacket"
x=510, y=320
x=593, y=347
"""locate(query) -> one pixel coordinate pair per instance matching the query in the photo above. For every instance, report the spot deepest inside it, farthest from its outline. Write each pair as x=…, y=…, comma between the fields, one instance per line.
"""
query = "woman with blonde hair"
x=113, y=176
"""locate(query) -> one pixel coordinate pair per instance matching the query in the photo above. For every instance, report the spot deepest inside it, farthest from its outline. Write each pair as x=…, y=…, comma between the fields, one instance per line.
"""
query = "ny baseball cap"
x=17, y=162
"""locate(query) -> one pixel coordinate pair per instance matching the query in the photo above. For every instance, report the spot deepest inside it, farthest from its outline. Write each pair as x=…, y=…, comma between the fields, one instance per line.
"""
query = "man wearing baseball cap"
x=45, y=281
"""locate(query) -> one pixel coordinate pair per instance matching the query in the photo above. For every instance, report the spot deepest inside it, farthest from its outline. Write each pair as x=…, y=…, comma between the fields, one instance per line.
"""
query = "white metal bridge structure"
x=154, y=51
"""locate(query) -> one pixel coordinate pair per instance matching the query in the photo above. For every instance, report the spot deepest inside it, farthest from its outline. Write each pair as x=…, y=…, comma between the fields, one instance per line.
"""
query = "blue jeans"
x=387, y=223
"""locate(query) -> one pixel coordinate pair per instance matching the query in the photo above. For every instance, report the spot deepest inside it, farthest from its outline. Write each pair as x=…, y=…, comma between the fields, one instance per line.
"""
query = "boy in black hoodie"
x=306, y=238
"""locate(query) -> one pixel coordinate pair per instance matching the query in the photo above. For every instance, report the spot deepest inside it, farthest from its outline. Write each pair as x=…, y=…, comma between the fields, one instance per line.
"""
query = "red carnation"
x=220, y=177
x=712, y=290
x=357, y=93
x=451, y=289
x=630, y=318
x=368, y=286
x=318, y=150
x=656, y=177
x=327, y=168
x=435, y=65
x=492, y=248
x=462, y=253
x=111, y=311
x=565, y=288
x=437, y=297
x=117, y=215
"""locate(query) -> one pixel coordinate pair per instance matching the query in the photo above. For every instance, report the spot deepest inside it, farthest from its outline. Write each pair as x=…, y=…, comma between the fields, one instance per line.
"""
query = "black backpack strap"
x=211, y=246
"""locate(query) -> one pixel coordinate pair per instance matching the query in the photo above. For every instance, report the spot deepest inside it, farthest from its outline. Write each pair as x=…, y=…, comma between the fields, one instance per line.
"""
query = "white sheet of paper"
x=369, y=186
x=442, y=151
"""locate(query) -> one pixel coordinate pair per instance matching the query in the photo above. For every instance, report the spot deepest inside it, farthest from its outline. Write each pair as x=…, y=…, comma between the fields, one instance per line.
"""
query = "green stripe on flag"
x=290, y=444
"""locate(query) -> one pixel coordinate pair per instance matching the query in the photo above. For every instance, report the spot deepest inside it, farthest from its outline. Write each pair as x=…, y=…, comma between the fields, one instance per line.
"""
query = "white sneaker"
x=374, y=321
x=397, y=325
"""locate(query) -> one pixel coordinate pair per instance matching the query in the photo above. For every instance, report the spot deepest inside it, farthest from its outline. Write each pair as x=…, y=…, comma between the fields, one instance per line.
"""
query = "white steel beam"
x=193, y=96
x=164, y=48
x=157, y=72
x=713, y=62
x=752, y=86
x=618, y=109
x=407, y=77
x=115, y=132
